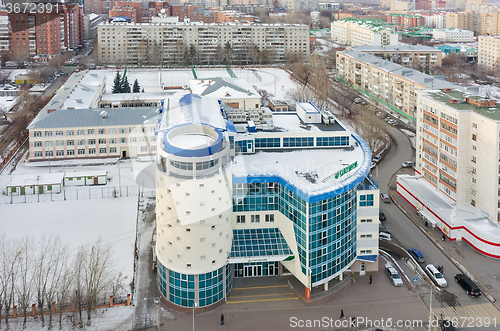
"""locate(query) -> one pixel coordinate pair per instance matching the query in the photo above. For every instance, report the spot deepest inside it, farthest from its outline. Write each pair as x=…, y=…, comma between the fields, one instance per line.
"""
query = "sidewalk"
x=377, y=301
x=461, y=254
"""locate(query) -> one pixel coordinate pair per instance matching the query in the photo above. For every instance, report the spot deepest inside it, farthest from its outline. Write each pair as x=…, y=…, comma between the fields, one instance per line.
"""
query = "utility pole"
x=430, y=311
x=119, y=179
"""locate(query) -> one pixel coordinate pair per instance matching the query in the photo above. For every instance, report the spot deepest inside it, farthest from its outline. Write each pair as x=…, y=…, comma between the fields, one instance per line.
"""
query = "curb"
x=450, y=256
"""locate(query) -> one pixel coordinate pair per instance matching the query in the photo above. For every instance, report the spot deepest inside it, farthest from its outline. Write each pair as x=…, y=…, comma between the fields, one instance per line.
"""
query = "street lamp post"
x=194, y=306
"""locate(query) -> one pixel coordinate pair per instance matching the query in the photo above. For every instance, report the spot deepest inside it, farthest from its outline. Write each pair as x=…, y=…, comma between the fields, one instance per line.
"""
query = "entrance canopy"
x=259, y=245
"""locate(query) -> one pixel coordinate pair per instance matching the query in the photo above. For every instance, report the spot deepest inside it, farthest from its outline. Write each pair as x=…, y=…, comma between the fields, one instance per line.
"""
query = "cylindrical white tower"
x=193, y=215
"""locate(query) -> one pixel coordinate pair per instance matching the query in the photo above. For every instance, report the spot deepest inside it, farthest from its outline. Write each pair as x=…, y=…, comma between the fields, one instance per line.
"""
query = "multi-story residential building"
x=329, y=6
x=90, y=23
x=4, y=31
x=488, y=51
x=453, y=35
x=466, y=20
x=402, y=5
x=98, y=7
x=391, y=83
x=140, y=11
x=130, y=43
x=458, y=134
x=437, y=20
x=405, y=21
x=419, y=57
x=489, y=24
x=47, y=34
x=311, y=212
x=354, y=32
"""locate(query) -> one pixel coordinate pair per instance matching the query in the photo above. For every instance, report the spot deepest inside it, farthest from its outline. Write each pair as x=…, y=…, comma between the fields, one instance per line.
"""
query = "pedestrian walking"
x=221, y=319
x=442, y=270
x=353, y=320
x=371, y=279
x=342, y=313
x=444, y=237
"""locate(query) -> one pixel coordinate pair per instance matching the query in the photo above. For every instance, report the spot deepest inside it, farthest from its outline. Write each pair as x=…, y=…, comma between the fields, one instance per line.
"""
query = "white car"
x=376, y=158
x=393, y=275
x=408, y=164
x=435, y=275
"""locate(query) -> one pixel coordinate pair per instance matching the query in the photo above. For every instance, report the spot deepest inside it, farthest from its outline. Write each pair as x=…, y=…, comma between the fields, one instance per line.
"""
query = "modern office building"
x=453, y=35
x=354, y=32
x=233, y=200
x=488, y=51
x=131, y=43
x=386, y=81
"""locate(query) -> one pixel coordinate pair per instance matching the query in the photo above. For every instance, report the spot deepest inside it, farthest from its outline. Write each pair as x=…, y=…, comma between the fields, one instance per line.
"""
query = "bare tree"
x=59, y=254
x=66, y=279
x=78, y=295
x=368, y=125
x=9, y=255
x=5, y=76
x=24, y=288
x=97, y=274
x=44, y=269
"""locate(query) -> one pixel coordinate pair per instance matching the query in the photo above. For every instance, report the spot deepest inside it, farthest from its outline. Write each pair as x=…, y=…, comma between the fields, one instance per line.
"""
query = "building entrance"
x=261, y=269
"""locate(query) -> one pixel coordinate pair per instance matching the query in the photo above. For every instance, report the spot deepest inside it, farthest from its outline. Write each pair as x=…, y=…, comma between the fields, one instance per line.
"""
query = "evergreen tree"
x=117, y=84
x=136, y=88
x=125, y=88
x=193, y=54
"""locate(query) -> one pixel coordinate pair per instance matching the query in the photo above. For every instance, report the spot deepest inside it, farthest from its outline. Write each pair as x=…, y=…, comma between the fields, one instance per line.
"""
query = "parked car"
x=385, y=197
x=435, y=275
x=376, y=158
x=381, y=216
x=417, y=255
x=393, y=275
x=468, y=285
x=373, y=165
x=408, y=164
x=384, y=236
x=383, y=228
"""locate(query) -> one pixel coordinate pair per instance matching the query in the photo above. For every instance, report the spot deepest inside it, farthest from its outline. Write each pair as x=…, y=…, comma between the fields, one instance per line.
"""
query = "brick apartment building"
x=46, y=34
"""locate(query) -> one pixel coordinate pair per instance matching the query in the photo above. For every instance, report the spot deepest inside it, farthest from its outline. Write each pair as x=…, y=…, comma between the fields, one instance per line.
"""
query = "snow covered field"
x=274, y=81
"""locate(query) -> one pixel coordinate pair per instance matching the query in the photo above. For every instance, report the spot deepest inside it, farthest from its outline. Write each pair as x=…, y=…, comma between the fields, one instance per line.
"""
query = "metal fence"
x=80, y=193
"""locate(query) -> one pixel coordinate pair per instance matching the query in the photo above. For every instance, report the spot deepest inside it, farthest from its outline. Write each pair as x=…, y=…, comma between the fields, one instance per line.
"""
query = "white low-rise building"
x=453, y=35
x=355, y=32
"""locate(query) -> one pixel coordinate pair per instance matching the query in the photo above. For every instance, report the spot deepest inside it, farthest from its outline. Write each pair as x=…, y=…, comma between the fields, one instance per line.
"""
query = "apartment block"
x=4, y=31
x=488, y=51
x=391, y=83
x=405, y=21
x=437, y=21
x=132, y=43
x=419, y=57
x=47, y=34
x=458, y=139
x=139, y=11
x=466, y=20
x=453, y=35
x=489, y=24
x=354, y=32
x=98, y=7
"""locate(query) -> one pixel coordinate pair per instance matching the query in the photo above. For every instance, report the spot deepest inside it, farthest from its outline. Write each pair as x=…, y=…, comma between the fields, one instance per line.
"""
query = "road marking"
x=245, y=301
x=251, y=288
x=483, y=310
x=259, y=295
x=354, y=279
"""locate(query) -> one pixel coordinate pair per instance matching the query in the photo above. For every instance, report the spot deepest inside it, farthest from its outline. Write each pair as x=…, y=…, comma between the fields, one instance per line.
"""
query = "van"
x=385, y=236
x=417, y=255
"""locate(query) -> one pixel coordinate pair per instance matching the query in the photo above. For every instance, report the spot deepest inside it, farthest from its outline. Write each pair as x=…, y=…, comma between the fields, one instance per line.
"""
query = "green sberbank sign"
x=342, y=172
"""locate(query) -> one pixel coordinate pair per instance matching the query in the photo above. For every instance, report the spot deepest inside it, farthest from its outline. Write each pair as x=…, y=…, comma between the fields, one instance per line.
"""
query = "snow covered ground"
x=83, y=221
x=104, y=319
x=275, y=81
x=7, y=103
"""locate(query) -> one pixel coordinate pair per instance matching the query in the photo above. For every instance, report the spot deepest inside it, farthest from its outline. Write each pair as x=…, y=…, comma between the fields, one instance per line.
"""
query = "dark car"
x=468, y=285
x=381, y=216
x=447, y=325
x=417, y=255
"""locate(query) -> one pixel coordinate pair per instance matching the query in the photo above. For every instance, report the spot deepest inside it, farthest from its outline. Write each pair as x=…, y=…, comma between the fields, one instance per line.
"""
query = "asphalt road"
x=408, y=235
